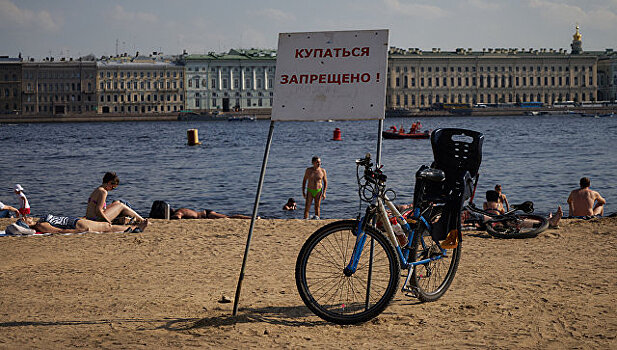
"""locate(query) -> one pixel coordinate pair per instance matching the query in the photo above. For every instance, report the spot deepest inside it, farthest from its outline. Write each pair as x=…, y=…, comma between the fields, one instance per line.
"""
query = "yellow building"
x=139, y=85
x=419, y=78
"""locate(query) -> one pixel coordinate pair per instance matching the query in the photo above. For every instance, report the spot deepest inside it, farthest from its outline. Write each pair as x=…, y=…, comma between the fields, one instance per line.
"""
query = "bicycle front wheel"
x=431, y=279
x=518, y=226
x=333, y=293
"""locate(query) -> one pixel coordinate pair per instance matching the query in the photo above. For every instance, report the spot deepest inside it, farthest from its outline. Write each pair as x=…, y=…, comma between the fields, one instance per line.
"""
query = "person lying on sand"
x=186, y=213
x=67, y=224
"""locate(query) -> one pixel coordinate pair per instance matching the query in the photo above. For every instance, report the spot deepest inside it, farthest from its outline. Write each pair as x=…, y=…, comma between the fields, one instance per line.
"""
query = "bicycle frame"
x=403, y=253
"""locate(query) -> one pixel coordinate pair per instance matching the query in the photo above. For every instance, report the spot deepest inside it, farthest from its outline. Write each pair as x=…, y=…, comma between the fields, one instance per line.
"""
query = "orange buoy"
x=193, y=137
x=337, y=135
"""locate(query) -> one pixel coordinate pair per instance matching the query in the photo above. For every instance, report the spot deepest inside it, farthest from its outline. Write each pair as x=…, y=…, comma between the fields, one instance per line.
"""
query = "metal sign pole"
x=378, y=157
x=253, y=218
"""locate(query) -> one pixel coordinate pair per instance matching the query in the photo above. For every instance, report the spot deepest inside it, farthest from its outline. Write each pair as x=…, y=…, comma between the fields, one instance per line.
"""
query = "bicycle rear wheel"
x=518, y=226
x=431, y=280
x=344, y=298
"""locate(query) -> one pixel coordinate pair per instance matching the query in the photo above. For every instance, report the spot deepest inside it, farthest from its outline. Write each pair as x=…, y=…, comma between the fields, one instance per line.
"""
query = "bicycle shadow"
x=291, y=316
x=477, y=234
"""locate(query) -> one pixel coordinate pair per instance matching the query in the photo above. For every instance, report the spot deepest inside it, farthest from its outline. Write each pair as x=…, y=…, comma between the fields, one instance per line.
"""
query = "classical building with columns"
x=419, y=78
x=237, y=80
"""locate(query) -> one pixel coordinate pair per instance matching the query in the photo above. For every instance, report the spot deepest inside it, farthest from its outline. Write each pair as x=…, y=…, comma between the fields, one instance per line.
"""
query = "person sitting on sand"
x=584, y=202
x=6, y=211
x=67, y=224
x=186, y=213
x=492, y=204
x=502, y=197
x=98, y=210
x=290, y=205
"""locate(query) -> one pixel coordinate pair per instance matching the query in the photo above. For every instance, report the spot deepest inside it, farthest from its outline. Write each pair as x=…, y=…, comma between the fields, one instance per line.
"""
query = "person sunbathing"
x=186, y=213
x=68, y=224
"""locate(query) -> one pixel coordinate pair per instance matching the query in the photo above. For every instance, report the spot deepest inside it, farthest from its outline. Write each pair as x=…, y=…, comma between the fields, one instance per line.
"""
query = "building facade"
x=58, y=87
x=607, y=76
x=139, y=85
x=420, y=79
x=10, y=85
x=237, y=80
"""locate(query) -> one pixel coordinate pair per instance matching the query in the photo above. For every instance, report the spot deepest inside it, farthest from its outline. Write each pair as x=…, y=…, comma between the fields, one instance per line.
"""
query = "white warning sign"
x=331, y=75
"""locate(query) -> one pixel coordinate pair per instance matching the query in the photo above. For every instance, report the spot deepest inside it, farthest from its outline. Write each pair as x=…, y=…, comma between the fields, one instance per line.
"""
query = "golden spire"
x=577, y=36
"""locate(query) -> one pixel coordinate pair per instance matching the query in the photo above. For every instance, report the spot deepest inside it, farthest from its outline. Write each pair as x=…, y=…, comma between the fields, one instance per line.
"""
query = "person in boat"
x=415, y=127
x=98, y=210
x=316, y=179
x=584, y=202
x=502, y=197
x=393, y=129
x=67, y=224
x=186, y=213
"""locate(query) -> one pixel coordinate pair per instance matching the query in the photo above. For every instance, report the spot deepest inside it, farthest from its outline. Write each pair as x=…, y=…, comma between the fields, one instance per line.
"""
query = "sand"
x=161, y=289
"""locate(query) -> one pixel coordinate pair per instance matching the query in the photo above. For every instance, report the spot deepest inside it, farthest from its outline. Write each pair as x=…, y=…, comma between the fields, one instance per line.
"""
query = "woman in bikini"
x=97, y=207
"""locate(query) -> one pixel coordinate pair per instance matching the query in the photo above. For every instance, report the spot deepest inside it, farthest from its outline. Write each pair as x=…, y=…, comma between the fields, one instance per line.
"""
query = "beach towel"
x=16, y=229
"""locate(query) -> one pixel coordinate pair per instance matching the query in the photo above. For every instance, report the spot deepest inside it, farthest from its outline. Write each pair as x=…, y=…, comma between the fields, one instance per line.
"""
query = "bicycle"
x=510, y=224
x=348, y=271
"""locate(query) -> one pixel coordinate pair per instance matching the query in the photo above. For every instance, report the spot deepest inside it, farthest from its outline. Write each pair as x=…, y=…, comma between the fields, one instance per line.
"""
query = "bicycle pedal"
x=410, y=292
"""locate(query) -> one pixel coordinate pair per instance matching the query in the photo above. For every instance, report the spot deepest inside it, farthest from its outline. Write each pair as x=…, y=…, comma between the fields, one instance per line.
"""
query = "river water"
x=538, y=158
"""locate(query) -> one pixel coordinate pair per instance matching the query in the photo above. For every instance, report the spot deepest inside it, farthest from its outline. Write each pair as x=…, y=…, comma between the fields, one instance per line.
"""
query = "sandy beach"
x=161, y=289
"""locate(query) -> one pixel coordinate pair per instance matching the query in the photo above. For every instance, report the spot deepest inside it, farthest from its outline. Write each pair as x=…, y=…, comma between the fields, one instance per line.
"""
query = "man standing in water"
x=315, y=176
x=586, y=202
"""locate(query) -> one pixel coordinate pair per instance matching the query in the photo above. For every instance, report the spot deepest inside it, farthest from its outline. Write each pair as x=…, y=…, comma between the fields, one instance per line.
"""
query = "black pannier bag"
x=160, y=210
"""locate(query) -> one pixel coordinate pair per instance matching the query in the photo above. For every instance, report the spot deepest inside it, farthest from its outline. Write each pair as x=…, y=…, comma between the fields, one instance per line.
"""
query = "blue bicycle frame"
x=403, y=254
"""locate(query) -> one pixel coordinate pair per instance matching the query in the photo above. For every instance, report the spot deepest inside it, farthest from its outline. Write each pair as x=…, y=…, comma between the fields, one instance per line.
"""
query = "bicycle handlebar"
x=372, y=177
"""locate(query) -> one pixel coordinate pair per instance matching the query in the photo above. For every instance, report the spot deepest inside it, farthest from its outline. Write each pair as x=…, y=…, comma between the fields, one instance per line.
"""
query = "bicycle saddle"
x=526, y=207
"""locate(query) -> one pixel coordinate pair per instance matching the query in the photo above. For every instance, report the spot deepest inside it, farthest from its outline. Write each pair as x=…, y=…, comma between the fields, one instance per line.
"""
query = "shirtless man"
x=315, y=176
x=586, y=202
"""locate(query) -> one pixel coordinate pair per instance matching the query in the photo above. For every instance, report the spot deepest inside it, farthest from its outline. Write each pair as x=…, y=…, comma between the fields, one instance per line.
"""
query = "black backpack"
x=160, y=210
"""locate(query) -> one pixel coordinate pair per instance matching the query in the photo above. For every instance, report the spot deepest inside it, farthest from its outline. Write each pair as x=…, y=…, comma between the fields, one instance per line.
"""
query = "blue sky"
x=80, y=27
